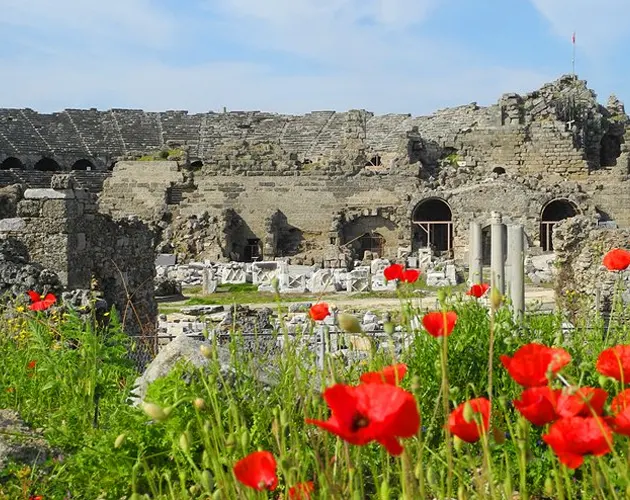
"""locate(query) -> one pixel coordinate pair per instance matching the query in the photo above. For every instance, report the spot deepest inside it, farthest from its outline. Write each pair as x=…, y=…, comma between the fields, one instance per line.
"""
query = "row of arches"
x=45, y=165
x=432, y=222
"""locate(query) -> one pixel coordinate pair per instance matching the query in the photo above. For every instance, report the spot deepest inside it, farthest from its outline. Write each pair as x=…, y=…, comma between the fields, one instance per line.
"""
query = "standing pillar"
x=516, y=257
x=475, y=254
x=497, y=257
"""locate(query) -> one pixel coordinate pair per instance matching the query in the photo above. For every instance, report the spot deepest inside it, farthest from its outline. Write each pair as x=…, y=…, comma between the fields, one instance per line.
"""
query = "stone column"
x=497, y=258
x=516, y=251
x=475, y=254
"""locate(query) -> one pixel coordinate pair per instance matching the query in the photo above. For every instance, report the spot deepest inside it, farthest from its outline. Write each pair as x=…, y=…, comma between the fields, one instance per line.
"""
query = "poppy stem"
x=491, y=362
x=445, y=397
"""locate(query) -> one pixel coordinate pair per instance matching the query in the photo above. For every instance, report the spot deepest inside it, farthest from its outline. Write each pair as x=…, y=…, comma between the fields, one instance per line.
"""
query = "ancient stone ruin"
x=328, y=189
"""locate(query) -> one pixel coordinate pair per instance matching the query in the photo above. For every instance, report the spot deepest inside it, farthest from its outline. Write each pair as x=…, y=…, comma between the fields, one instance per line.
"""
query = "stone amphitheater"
x=328, y=186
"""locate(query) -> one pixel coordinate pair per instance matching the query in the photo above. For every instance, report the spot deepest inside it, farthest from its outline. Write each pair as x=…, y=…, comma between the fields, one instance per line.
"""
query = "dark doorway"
x=433, y=225
x=83, y=165
x=47, y=165
x=552, y=213
x=252, y=251
x=11, y=162
x=370, y=242
x=609, y=150
x=498, y=170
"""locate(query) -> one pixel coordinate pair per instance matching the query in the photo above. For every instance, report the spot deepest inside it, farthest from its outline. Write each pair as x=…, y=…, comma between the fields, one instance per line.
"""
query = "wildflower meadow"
x=477, y=405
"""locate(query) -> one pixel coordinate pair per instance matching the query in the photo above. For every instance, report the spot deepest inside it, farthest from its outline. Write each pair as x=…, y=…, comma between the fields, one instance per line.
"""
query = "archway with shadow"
x=432, y=221
x=47, y=165
x=83, y=165
x=11, y=162
x=552, y=213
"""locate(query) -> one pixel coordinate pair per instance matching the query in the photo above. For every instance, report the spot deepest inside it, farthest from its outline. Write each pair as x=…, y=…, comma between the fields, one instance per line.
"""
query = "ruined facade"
x=326, y=185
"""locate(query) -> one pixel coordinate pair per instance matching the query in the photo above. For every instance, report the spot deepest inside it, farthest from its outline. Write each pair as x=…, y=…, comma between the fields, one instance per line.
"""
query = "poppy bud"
x=457, y=444
x=168, y=410
x=388, y=328
x=349, y=323
x=418, y=470
x=217, y=494
x=603, y=380
x=205, y=350
x=206, y=480
x=548, y=488
x=154, y=411
x=384, y=490
x=441, y=295
x=245, y=439
x=119, y=440
x=498, y=434
x=469, y=413
x=507, y=486
x=205, y=459
x=199, y=403
x=275, y=284
x=184, y=442
x=283, y=418
x=194, y=489
x=230, y=441
x=495, y=298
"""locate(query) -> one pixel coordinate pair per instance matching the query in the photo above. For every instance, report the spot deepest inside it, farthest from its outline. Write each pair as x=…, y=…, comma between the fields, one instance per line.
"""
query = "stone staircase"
x=140, y=131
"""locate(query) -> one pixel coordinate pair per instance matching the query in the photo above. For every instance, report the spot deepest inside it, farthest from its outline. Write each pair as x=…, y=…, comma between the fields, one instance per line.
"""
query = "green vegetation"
x=78, y=387
x=162, y=155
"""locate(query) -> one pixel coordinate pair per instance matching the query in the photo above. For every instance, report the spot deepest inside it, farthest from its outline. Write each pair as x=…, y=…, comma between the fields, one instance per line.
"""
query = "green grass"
x=82, y=367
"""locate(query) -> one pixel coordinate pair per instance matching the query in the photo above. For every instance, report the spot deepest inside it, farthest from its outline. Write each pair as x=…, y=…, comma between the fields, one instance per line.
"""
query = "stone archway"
x=11, y=162
x=552, y=213
x=432, y=221
x=83, y=165
x=47, y=165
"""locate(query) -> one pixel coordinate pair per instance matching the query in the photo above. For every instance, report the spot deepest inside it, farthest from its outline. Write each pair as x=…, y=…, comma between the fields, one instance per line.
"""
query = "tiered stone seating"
x=384, y=133
x=92, y=181
x=22, y=135
x=6, y=146
x=329, y=137
x=98, y=131
x=57, y=131
x=302, y=132
x=8, y=177
x=34, y=178
x=179, y=126
x=140, y=131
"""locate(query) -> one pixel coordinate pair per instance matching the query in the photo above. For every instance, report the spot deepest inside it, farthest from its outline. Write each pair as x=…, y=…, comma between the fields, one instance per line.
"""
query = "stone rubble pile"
x=278, y=275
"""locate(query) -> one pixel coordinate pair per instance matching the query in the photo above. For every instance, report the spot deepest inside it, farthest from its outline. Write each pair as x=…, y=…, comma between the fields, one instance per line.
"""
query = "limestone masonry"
x=330, y=188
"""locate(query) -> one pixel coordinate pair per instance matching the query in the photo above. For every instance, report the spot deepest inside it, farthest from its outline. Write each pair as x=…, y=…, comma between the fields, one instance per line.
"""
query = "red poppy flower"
x=39, y=303
x=478, y=291
x=38, y=497
x=319, y=311
x=582, y=403
x=301, y=491
x=538, y=405
x=620, y=408
x=617, y=259
x=371, y=412
x=257, y=470
x=410, y=275
x=530, y=364
x=388, y=375
x=31, y=364
x=434, y=323
x=393, y=272
x=471, y=430
x=572, y=438
x=615, y=362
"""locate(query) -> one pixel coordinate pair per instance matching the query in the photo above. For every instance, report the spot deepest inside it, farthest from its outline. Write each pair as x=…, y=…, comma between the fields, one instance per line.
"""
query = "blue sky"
x=295, y=56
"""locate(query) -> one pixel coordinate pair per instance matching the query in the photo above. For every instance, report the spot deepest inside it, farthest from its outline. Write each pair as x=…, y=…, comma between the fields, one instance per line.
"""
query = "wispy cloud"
x=278, y=55
x=598, y=24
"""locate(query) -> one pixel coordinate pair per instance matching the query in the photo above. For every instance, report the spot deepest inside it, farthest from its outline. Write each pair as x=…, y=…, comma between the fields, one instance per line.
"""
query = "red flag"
x=573, y=38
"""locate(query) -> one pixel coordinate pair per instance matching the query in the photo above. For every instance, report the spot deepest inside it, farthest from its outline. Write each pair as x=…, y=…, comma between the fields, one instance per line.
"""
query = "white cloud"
x=126, y=21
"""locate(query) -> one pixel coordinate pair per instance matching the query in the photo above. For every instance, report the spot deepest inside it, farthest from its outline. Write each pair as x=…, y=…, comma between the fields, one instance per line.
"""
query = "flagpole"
x=573, y=58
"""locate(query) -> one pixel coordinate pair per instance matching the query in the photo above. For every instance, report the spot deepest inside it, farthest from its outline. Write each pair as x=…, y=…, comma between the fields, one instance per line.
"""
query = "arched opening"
x=47, y=165
x=486, y=244
x=375, y=161
x=111, y=167
x=498, y=170
x=11, y=162
x=433, y=225
x=252, y=251
x=196, y=165
x=370, y=242
x=552, y=213
x=83, y=165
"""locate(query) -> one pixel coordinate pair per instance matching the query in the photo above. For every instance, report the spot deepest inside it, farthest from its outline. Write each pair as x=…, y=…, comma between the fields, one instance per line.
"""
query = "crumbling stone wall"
x=580, y=246
x=64, y=232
